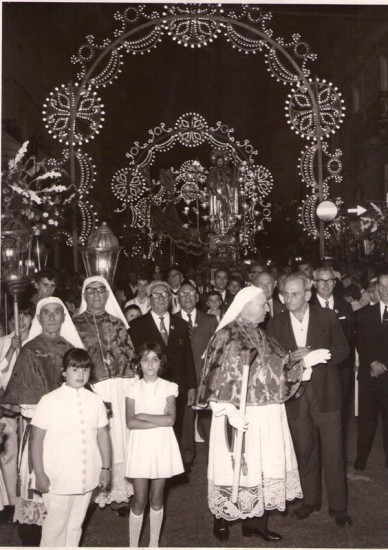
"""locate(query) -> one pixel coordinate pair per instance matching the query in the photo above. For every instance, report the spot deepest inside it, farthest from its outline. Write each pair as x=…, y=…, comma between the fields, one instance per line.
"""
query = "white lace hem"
x=272, y=494
x=121, y=488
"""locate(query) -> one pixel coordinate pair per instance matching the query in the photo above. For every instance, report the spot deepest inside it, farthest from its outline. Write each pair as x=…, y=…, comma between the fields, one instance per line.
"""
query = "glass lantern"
x=101, y=254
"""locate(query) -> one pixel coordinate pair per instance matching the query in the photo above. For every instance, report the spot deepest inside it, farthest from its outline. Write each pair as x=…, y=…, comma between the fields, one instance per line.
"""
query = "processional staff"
x=247, y=360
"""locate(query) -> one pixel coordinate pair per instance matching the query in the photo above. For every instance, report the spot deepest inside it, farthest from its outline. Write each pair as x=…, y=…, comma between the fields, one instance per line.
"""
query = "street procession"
x=194, y=275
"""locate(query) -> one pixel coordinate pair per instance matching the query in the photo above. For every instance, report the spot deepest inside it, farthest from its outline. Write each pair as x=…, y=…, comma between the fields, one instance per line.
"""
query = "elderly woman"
x=37, y=371
x=103, y=330
x=269, y=472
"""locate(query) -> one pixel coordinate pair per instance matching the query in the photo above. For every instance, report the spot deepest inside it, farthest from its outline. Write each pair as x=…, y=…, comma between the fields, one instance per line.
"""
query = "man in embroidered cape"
x=269, y=475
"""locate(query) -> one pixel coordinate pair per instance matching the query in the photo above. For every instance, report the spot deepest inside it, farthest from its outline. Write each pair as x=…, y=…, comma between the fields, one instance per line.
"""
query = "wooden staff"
x=245, y=355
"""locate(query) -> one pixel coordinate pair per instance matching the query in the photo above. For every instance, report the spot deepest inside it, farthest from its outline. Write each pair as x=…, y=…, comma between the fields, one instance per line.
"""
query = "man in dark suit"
x=221, y=279
x=325, y=283
x=317, y=412
x=172, y=333
x=265, y=281
x=201, y=328
x=372, y=346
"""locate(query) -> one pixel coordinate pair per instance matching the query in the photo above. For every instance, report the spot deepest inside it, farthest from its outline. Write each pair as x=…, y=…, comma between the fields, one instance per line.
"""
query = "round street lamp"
x=101, y=253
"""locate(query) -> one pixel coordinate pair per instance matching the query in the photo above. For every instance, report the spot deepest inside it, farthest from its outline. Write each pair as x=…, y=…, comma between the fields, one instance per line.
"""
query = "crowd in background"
x=112, y=324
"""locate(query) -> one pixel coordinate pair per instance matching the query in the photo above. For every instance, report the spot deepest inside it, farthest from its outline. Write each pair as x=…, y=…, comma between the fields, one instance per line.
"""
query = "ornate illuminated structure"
x=74, y=114
x=233, y=201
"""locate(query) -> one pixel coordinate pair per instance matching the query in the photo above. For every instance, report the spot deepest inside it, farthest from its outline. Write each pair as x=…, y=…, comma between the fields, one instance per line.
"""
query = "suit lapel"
x=288, y=333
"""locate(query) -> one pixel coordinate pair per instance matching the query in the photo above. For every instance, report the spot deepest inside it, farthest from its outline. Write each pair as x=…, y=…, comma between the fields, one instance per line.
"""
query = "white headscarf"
x=242, y=298
x=112, y=306
x=68, y=330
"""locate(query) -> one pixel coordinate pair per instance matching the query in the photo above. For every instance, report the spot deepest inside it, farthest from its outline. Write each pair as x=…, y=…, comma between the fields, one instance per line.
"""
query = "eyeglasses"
x=185, y=293
x=325, y=280
x=159, y=295
x=95, y=290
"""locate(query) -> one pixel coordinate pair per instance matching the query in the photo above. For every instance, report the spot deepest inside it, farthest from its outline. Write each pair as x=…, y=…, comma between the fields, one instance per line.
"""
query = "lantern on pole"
x=101, y=254
x=16, y=259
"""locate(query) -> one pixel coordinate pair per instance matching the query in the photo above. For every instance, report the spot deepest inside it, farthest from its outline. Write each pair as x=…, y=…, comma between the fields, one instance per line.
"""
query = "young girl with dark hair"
x=152, y=453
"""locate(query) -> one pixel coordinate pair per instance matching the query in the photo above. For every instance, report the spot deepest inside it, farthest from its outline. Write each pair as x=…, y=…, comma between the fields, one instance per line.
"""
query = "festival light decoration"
x=314, y=108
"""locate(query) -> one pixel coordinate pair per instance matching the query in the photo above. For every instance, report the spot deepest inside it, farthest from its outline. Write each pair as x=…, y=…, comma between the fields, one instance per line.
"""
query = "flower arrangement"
x=31, y=191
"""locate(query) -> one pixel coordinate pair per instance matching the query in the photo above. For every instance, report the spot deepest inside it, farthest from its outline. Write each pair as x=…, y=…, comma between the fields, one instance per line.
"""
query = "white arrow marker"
x=359, y=210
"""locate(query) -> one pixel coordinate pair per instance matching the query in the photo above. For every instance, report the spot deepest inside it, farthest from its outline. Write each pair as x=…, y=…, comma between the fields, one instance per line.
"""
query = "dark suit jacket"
x=180, y=364
x=324, y=331
x=371, y=341
x=205, y=326
x=345, y=315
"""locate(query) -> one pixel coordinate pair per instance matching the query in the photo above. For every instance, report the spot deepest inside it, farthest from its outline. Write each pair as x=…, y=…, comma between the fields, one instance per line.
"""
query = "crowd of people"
x=105, y=393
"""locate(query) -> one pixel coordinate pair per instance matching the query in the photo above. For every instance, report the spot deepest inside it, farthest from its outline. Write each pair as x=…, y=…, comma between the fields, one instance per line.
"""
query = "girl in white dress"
x=153, y=453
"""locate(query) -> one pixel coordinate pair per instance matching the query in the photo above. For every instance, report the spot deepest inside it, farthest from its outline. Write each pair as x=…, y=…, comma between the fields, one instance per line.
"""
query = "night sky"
x=217, y=82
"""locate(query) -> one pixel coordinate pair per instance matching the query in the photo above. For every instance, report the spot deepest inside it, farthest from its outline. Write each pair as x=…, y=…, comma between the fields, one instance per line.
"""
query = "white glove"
x=238, y=421
x=235, y=418
x=307, y=374
x=316, y=357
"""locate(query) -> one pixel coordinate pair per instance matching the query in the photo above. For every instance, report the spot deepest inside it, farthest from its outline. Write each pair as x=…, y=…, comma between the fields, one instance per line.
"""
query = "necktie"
x=163, y=330
x=190, y=323
x=385, y=318
x=327, y=303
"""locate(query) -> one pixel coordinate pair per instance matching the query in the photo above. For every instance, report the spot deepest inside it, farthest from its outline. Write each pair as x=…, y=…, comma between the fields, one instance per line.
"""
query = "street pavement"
x=188, y=522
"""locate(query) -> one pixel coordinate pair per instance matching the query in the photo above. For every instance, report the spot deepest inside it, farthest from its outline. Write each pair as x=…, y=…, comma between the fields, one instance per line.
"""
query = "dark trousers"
x=373, y=398
x=187, y=441
x=306, y=430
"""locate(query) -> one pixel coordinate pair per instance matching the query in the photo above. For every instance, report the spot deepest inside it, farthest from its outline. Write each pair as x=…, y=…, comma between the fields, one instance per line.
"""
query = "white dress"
x=271, y=475
x=152, y=453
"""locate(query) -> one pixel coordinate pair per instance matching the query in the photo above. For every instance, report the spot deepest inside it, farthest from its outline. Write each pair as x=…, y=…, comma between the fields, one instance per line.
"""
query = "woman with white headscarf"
x=269, y=472
x=103, y=328
x=37, y=371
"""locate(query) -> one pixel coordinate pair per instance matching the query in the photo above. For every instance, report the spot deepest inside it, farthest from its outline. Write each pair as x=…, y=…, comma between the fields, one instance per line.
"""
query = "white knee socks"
x=156, y=518
x=135, y=523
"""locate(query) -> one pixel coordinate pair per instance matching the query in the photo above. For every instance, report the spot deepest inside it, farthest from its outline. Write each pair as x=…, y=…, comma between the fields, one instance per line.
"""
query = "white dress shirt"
x=166, y=320
x=300, y=328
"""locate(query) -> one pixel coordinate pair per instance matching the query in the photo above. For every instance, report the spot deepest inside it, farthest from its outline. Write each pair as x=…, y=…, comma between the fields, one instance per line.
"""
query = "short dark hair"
x=132, y=307
x=219, y=271
x=187, y=282
x=28, y=308
x=144, y=349
x=213, y=293
x=47, y=273
x=77, y=357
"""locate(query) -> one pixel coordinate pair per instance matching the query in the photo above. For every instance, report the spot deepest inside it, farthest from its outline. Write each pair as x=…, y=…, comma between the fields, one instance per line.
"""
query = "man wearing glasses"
x=201, y=328
x=172, y=333
x=325, y=281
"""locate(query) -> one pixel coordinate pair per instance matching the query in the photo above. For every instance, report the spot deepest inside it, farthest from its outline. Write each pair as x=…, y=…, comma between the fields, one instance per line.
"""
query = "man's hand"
x=42, y=482
x=191, y=397
x=377, y=368
x=298, y=354
x=16, y=342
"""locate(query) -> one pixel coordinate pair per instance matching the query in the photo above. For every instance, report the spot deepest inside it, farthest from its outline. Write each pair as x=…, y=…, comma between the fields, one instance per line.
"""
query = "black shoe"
x=221, y=529
x=265, y=534
x=341, y=518
x=359, y=464
x=304, y=510
x=123, y=512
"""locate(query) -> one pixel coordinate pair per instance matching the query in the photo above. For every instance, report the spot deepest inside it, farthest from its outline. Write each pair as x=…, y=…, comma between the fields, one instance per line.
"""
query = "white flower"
x=22, y=151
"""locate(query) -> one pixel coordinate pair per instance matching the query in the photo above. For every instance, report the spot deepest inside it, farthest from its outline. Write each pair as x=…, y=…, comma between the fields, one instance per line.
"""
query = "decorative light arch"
x=136, y=191
x=74, y=114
